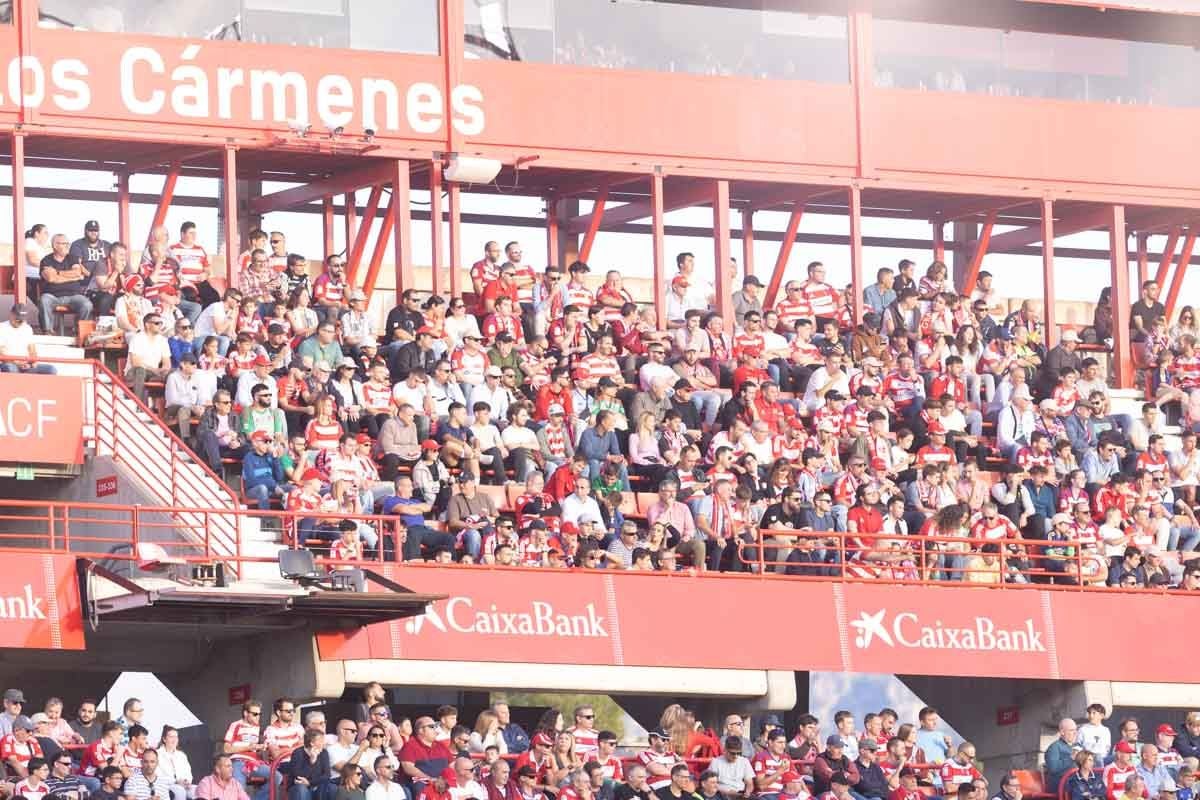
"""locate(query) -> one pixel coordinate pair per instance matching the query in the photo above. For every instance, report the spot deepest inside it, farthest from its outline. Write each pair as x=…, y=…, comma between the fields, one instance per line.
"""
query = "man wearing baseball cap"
x=16, y=342
x=262, y=471
x=1168, y=756
x=659, y=760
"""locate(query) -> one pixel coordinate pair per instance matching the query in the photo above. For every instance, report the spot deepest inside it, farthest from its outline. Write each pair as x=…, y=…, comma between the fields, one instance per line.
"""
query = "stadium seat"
x=497, y=493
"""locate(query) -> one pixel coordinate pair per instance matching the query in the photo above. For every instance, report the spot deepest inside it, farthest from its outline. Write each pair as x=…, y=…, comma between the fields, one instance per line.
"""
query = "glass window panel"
x=646, y=35
x=406, y=26
x=956, y=58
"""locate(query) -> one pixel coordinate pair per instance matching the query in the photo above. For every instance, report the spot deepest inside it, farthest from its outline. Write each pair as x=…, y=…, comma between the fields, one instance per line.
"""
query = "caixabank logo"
x=908, y=630
x=538, y=618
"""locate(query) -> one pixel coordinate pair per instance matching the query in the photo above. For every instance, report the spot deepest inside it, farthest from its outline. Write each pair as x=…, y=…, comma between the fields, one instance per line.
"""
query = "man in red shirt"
x=505, y=285
x=423, y=757
x=486, y=269
x=907, y=790
x=937, y=451
x=19, y=746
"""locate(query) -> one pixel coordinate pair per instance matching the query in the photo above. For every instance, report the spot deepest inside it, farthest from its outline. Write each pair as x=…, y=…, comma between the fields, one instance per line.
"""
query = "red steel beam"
x=123, y=208
x=589, y=238
x=658, y=245
x=327, y=223
x=1181, y=269
x=724, y=292
x=381, y=245
x=785, y=252
x=1119, y=266
x=435, y=226
x=18, y=214
x=375, y=173
x=747, y=243
x=693, y=195
x=1048, y=273
x=356, y=250
x=403, y=230
x=1168, y=256
x=233, y=243
x=456, y=266
x=981, y=248
x=975, y=206
x=168, y=194
x=1086, y=220
x=856, y=253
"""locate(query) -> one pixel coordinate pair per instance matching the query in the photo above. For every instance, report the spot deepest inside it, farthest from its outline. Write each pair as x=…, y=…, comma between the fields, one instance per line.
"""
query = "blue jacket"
x=515, y=738
x=1080, y=789
x=596, y=448
x=265, y=470
x=1059, y=762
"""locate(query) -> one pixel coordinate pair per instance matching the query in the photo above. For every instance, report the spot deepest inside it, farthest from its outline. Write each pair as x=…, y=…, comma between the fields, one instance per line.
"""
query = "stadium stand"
x=541, y=421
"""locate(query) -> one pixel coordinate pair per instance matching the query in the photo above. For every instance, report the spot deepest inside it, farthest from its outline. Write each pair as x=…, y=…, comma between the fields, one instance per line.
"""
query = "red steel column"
x=123, y=208
x=1118, y=249
x=552, y=233
x=351, y=212
x=1051, y=327
x=747, y=243
x=939, y=242
x=327, y=223
x=403, y=228
x=856, y=253
x=456, y=266
x=721, y=252
x=658, y=246
x=435, y=226
x=1143, y=258
x=18, y=216
x=233, y=243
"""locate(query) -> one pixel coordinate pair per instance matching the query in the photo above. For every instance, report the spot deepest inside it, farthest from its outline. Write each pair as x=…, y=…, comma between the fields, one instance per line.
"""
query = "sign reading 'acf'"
x=41, y=419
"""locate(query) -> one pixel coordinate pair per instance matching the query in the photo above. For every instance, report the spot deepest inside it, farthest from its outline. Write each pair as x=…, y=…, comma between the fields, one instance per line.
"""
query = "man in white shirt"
x=220, y=320
x=187, y=395
x=16, y=341
x=149, y=355
x=1015, y=423
x=492, y=451
x=495, y=394
x=466, y=787
x=383, y=787
x=580, y=503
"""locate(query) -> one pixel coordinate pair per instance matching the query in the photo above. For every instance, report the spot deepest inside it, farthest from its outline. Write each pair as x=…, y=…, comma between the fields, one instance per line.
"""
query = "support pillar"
x=233, y=245
x=747, y=243
x=856, y=253
x=1048, y=315
x=456, y=265
x=123, y=208
x=351, y=212
x=402, y=232
x=658, y=248
x=435, y=227
x=327, y=224
x=1143, y=258
x=721, y=285
x=1185, y=258
x=18, y=216
x=939, y=242
x=1122, y=361
x=552, y=238
x=785, y=252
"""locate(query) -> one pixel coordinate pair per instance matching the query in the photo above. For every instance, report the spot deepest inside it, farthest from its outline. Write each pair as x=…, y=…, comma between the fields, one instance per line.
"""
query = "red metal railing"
x=120, y=425
x=113, y=531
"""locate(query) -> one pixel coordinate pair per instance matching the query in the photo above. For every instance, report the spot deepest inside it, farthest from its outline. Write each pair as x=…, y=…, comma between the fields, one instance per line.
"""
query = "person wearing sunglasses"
x=380, y=716
x=424, y=755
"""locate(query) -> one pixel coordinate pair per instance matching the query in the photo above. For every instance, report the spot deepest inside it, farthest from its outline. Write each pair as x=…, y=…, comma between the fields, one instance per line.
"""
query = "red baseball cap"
x=791, y=777
x=312, y=474
x=363, y=438
x=1165, y=730
x=1124, y=747
x=543, y=739
x=935, y=427
x=569, y=527
x=260, y=436
x=430, y=444
x=262, y=360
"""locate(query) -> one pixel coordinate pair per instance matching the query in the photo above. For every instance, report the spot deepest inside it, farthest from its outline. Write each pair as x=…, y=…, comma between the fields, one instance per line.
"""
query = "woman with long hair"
x=173, y=765
x=645, y=459
x=301, y=315
x=1185, y=325
x=1085, y=783
x=563, y=759
x=350, y=784
x=969, y=347
x=487, y=733
x=37, y=247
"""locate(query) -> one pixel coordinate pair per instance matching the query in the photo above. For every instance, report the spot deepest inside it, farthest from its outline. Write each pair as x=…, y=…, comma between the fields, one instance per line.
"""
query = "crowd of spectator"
x=368, y=753
x=937, y=439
